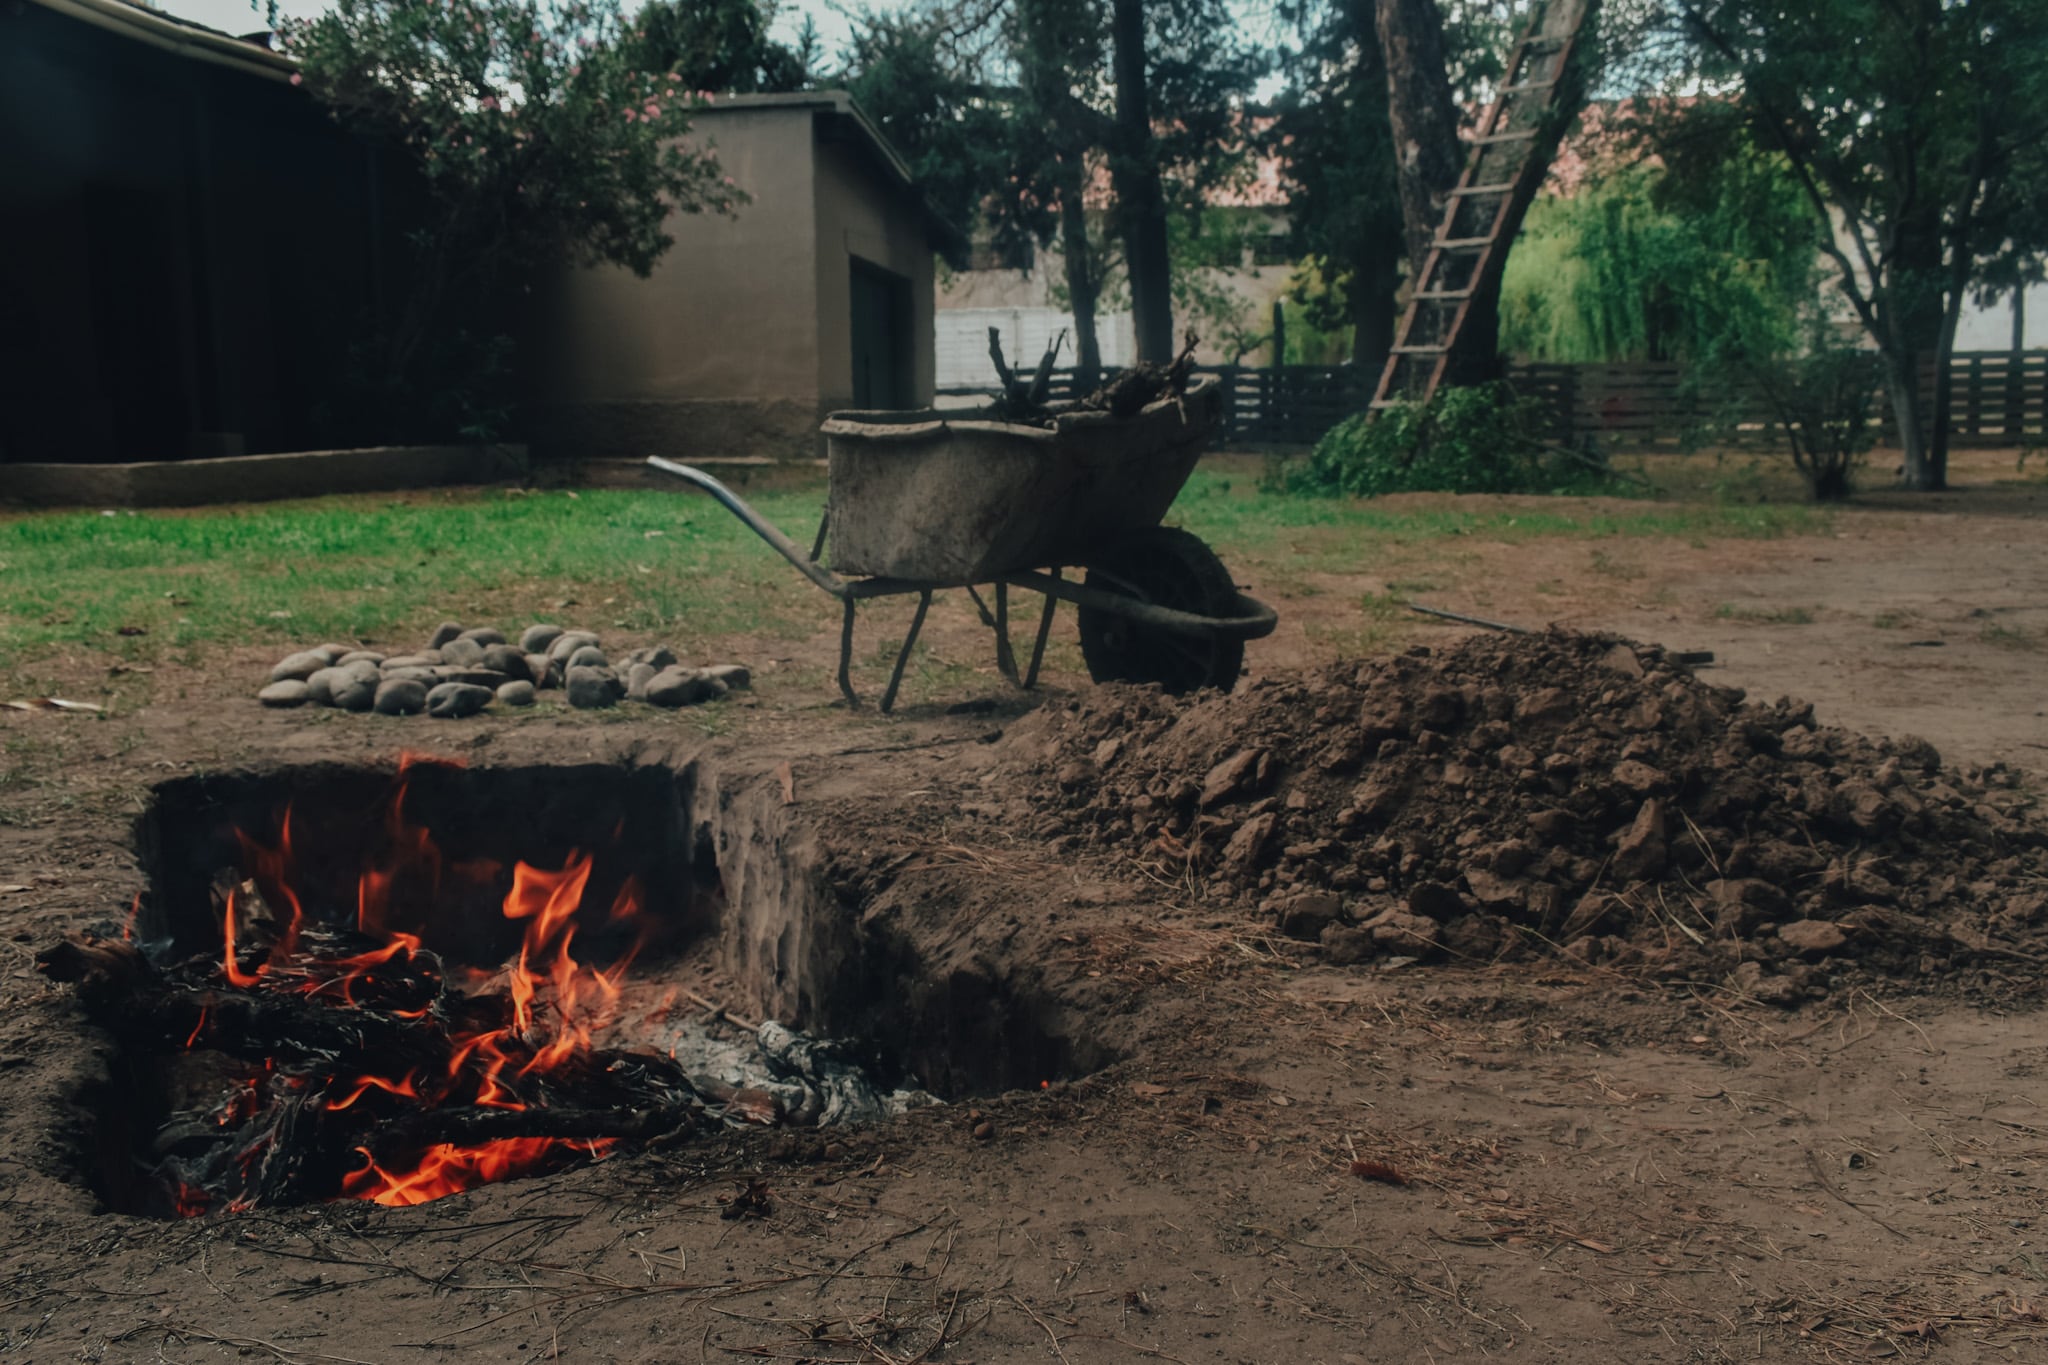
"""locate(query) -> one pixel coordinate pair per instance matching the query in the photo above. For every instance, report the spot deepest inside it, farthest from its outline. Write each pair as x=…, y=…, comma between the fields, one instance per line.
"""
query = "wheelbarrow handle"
x=758, y=524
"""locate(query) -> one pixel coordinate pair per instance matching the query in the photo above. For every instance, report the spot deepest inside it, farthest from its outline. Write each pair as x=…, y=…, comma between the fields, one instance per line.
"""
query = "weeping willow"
x=1641, y=265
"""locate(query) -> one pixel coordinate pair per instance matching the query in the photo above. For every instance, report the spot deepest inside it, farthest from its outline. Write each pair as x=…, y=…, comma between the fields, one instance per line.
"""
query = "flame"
x=558, y=1004
x=231, y=968
x=447, y=1169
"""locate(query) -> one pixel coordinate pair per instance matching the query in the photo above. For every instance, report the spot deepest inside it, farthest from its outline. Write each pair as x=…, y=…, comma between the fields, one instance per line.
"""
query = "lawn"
x=139, y=589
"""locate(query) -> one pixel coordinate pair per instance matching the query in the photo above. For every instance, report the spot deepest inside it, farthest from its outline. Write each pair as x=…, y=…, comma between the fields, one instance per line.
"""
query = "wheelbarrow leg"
x=1006, y=659
x=846, y=657
x=924, y=602
x=1044, y=633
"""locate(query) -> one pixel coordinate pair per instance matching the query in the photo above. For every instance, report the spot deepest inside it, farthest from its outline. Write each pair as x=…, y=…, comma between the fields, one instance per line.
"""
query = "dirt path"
x=1280, y=1161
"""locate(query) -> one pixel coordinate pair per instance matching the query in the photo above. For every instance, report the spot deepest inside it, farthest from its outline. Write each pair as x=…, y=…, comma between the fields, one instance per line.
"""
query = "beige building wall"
x=739, y=341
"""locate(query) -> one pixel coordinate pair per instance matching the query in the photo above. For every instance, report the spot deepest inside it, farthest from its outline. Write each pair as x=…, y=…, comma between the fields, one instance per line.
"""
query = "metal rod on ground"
x=924, y=604
x=1044, y=631
x=1469, y=620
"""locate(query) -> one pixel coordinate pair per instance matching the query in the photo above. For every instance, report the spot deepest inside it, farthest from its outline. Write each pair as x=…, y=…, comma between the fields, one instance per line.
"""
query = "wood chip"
x=1589, y=1244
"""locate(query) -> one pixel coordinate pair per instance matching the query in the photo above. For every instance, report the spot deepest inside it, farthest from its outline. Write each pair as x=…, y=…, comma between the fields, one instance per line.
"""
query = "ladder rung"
x=1524, y=135
x=1441, y=295
x=1463, y=244
x=1526, y=86
x=1416, y=350
x=1483, y=189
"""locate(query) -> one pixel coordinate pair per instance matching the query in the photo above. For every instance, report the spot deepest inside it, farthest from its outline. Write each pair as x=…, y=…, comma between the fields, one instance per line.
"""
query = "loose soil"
x=1562, y=1128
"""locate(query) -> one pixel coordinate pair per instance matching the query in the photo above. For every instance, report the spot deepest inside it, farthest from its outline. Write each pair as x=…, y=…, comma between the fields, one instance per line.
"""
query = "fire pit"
x=349, y=984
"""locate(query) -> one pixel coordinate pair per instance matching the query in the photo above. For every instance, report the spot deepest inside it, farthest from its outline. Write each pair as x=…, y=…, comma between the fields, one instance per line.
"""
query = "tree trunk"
x=1427, y=154
x=1375, y=276
x=1901, y=385
x=2019, y=317
x=1082, y=286
x=1141, y=202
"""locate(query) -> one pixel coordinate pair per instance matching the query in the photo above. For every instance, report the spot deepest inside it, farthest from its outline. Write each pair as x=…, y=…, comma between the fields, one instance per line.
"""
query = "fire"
x=557, y=1002
x=447, y=1169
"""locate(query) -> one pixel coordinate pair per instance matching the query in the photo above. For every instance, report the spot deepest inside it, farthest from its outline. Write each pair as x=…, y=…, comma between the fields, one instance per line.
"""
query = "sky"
x=240, y=16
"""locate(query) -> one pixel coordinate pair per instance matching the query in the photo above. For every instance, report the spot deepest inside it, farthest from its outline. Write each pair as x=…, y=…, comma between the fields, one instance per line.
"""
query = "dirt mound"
x=1512, y=795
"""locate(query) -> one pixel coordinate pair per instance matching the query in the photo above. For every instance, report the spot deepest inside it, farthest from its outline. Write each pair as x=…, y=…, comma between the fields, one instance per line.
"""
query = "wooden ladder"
x=1499, y=171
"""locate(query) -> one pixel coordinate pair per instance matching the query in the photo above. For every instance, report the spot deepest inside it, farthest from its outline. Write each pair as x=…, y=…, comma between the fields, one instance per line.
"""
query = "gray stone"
x=475, y=677
x=286, y=692
x=517, y=693
x=333, y=653
x=425, y=675
x=588, y=656
x=465, y=653
x=568, y=642
x=359, y=656
x=400, y=697
x=443, y=633
x=683, y=687
x=483, y=635
x=354, y=692
x=661, y=656
x=735, y=676
x=298, y=667
x=544, y=672
x=535, y=639
x=410, y=661
x=593, y=688
x=505, y=659
x=320, y=687
x=454, y=700
x=637, y=678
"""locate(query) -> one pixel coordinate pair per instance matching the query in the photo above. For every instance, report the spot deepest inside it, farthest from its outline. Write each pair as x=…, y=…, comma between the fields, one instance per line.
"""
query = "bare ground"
x=1596, y=1167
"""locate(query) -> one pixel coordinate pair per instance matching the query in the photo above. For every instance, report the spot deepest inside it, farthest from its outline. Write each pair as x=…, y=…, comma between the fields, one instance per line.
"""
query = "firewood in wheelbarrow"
x=1018, y=401
x=1145, y=383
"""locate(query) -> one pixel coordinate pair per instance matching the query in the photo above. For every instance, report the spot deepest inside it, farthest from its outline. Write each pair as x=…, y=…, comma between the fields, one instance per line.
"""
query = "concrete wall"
x=860, y=216
x=716, y=352
x=740, y=340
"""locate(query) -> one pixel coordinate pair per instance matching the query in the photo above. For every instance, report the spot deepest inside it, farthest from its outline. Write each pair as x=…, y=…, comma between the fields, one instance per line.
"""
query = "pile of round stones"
x=461, y=672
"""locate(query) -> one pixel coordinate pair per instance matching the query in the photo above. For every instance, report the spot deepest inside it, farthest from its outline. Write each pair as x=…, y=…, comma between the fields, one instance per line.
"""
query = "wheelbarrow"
x=922, y=501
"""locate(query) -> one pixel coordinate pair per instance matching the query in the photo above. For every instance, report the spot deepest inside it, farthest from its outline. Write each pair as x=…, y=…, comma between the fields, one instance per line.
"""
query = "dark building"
x=188, y=244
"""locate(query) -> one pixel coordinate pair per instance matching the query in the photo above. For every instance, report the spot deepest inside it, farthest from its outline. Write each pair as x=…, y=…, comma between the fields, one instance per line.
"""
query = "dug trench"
x=397, y=983
x=1326, y=1021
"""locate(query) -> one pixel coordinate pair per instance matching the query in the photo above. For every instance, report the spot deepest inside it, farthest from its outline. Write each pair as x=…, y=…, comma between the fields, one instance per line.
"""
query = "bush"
x=1481, y=439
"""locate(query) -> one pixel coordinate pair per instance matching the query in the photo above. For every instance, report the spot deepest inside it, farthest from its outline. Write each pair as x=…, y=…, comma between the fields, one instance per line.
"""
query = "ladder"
x=1501, y=176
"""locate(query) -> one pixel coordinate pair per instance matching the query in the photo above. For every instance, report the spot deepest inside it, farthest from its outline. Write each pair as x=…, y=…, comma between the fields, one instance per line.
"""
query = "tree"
x=536, y=139
x=1019, y=108
x=1915, y=130
x=722, y=46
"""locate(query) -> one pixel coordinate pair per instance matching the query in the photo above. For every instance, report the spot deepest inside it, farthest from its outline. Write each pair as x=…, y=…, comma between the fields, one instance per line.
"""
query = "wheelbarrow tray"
x=948, y=502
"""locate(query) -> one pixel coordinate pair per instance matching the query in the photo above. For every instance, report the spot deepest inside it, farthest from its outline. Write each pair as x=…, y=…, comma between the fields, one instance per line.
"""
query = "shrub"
x=1480, y=439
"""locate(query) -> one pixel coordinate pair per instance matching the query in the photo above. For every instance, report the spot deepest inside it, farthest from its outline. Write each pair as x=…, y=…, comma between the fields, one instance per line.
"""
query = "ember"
x=328, y=1047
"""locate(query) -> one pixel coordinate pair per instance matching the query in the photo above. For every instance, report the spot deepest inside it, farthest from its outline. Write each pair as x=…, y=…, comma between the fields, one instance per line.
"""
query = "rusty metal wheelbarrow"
x=920, y=501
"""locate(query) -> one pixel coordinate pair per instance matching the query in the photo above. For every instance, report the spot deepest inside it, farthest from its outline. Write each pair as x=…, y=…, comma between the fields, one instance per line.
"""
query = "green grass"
x=378, y=568
x=153, y=588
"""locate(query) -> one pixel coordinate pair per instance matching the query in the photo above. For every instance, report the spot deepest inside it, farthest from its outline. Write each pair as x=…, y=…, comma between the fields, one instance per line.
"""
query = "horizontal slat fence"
x=2000, y=398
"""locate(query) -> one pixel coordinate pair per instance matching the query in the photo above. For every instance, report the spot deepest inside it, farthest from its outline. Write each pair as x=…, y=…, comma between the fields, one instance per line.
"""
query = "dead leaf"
x=1148, y=1088
x=11, y=887
x=1589, y=1244
x=1280, y=1100
x=787, y=776
x=1378, y=1170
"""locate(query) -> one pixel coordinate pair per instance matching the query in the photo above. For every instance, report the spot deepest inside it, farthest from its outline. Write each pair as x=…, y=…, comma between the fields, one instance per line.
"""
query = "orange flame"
x=448, y=1169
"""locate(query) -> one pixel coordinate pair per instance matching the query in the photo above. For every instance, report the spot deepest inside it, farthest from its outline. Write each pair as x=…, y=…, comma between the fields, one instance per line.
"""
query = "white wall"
x=962, y=341
x=1990, y=329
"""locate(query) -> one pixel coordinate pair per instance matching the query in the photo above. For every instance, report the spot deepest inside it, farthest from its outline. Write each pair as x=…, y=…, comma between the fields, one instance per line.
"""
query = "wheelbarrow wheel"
x=1166, y=567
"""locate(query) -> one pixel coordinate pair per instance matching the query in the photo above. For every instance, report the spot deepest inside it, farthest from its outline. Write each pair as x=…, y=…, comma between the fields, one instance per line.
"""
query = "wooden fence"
x=2000, y=398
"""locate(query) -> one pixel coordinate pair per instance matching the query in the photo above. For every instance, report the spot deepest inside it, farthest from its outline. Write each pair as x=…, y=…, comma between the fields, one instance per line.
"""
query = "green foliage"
x=1645, y=265
x=1478, y=439
x=536, y=139
x=722, y=46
